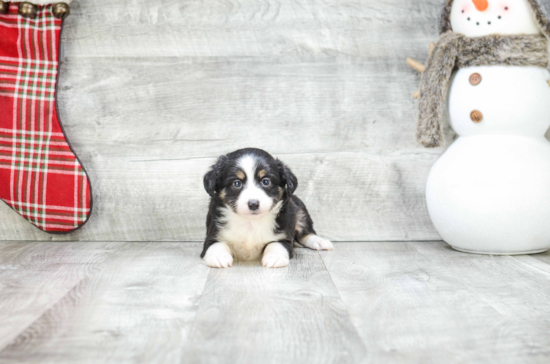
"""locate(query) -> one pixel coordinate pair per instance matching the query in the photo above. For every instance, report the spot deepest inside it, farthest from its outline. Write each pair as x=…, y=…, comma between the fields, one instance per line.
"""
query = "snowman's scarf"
x=454, y=51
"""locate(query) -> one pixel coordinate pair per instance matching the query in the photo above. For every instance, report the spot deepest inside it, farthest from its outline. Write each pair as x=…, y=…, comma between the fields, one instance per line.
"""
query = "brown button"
x=475, y=79
x=476, y=116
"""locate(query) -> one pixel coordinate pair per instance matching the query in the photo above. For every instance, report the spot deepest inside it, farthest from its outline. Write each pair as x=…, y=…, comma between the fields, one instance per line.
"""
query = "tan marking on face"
x=241, y=175
x=281, y=192
x=262, y=173
x=222, y=194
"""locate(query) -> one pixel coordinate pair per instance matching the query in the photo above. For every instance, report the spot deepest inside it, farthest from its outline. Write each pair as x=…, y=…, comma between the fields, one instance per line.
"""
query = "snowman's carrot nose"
x=481, y=5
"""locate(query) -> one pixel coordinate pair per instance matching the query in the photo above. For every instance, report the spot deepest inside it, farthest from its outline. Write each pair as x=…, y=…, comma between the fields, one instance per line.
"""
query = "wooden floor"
x=411, y=302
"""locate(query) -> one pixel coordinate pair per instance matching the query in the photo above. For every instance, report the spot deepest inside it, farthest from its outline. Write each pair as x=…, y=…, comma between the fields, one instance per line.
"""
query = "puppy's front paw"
x=317, y=243
x=275, y=261
x=275, y=256
x=219, y=256
x=220, y=261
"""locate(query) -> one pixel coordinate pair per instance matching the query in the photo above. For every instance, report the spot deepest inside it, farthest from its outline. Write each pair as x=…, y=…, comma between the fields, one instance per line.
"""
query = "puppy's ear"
x=288, y=178
x=212, y=179
x=210, y=183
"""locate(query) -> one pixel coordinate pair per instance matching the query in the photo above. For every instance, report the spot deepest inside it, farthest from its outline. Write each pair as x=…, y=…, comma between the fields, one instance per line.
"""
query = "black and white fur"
x=253, y=212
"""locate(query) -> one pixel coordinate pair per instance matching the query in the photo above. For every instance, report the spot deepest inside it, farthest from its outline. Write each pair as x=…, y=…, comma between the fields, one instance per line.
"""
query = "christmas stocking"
x=40, y=176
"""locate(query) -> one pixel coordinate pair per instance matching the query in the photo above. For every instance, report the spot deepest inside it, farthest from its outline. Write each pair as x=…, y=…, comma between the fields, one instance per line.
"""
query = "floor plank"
x=35, y=276
x=136, y=308
x=249, y=314
x=543, y=258
x=422, y=302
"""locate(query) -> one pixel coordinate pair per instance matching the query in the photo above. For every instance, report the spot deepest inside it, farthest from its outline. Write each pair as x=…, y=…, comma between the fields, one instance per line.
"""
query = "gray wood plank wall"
x=152, y=91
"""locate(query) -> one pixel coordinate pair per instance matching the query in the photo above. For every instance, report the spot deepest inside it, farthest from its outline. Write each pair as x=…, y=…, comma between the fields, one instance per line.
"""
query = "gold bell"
x=61, y=10
x=27, y=10
x=4, y=7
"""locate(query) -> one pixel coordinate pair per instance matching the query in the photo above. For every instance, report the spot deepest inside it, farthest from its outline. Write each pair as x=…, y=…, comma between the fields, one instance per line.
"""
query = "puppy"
x=253, y=212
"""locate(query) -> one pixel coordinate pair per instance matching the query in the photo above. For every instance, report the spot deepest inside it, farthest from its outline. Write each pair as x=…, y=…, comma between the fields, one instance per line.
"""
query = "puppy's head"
x=250, y=182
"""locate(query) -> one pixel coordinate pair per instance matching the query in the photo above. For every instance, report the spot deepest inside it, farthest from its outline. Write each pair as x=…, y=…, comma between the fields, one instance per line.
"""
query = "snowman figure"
x=489, y=192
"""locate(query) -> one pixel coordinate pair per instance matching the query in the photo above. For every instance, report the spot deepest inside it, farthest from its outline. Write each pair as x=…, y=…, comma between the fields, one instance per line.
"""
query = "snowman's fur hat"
x=541, y=8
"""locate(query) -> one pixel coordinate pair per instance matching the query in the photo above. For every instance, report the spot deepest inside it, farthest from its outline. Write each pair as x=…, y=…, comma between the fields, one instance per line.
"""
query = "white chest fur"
x=247, y=237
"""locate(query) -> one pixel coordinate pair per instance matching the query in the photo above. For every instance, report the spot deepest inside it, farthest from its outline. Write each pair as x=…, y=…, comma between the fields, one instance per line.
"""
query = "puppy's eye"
x=237, y=184
x=266, y=182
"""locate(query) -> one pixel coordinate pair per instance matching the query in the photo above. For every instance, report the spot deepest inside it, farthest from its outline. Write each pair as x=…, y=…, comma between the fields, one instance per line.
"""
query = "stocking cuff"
x=40, y=2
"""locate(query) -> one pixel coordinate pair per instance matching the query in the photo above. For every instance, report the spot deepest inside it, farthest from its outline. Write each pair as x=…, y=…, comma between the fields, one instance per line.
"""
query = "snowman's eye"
x=506, y=8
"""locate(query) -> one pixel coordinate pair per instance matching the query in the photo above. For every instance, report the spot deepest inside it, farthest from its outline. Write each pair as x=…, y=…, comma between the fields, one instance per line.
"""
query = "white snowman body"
x=490, y=191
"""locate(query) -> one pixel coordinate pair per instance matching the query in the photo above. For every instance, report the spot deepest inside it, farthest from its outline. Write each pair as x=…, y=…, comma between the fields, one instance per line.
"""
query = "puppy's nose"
x=253, y=205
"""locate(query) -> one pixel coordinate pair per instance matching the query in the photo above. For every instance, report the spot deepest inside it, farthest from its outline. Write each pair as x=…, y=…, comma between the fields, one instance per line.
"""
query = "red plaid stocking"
x=40, y=176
